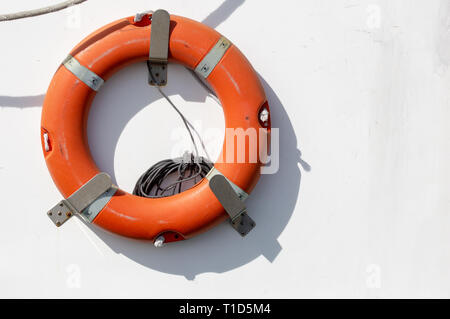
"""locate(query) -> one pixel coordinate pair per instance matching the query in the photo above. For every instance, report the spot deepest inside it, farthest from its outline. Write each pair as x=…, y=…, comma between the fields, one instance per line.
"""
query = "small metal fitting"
x=159, y=242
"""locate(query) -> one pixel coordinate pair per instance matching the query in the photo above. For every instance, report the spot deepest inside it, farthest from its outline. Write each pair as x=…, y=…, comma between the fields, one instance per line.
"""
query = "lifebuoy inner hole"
x=129, y=122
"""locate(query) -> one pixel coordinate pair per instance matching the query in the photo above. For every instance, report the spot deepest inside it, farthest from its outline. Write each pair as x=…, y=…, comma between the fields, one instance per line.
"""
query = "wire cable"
x=189, y=168
x=150, y=184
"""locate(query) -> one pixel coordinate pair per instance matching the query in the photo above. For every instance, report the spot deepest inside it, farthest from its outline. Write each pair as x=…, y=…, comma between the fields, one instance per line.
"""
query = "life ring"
x=66, y=107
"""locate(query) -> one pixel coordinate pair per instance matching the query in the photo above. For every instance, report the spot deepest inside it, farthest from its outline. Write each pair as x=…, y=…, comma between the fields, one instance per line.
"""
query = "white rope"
x=40, y=11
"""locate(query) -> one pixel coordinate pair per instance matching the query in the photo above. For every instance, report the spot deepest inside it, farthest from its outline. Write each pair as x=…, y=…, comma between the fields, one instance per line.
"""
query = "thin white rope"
x=40, y=11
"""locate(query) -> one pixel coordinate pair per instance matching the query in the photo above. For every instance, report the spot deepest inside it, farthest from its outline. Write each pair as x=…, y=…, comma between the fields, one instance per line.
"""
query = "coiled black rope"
x=189, y=168
x=150, y=184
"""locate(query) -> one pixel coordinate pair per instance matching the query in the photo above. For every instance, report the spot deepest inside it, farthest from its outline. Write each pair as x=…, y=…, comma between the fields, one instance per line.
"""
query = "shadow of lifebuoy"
x=221, y=249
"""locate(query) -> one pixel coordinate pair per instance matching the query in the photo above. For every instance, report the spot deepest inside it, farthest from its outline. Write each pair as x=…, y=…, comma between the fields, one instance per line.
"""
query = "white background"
x=359, y=208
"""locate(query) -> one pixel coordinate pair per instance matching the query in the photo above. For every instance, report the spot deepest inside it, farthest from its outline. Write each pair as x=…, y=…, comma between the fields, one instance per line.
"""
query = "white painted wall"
x=359, y=208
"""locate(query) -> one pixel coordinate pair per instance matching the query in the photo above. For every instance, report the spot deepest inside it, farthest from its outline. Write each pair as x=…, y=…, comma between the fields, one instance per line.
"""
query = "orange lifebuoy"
x=66, y=108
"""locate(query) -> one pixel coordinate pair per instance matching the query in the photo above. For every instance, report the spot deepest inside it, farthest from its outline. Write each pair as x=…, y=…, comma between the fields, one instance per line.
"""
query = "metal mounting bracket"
x=159, y=48
x=83, y=73
x=210, y=61
x=232, y=204
x=82, y=199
